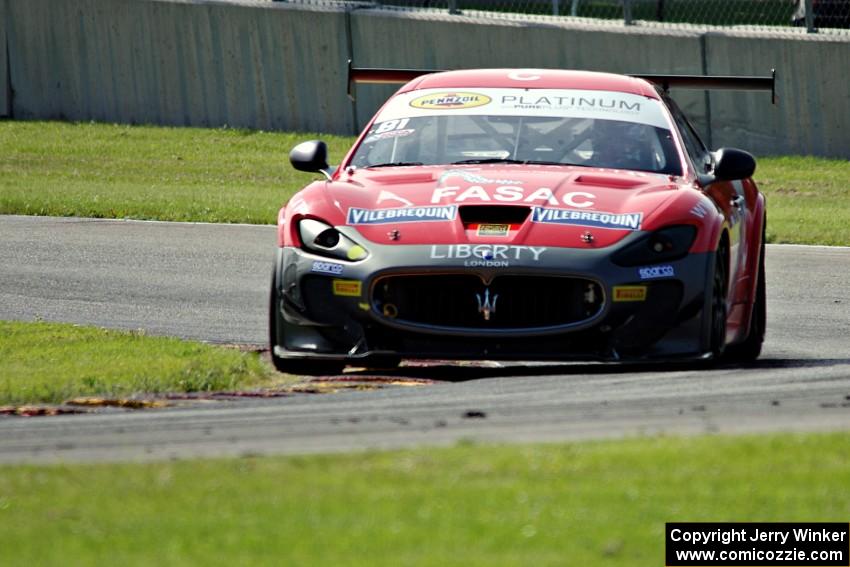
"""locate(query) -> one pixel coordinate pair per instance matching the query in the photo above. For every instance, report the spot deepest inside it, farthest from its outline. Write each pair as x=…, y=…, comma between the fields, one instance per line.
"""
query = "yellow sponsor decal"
x=348, y=288
x=493, y=229
x=450, y=100
x=630, y=293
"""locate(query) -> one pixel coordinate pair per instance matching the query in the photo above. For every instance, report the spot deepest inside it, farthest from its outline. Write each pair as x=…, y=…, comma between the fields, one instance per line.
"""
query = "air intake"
x=493, y=214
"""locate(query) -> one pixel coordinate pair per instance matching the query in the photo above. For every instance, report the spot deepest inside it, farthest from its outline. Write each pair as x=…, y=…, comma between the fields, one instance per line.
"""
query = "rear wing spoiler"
x=666, y=82
x=383, y=76
x=715, y=82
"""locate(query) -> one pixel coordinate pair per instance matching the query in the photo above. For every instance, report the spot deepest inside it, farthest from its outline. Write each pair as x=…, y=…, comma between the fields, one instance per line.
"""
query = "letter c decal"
x=522, y=76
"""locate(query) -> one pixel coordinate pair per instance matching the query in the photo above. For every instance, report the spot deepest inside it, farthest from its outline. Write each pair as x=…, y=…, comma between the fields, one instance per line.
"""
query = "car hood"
x=515, y=204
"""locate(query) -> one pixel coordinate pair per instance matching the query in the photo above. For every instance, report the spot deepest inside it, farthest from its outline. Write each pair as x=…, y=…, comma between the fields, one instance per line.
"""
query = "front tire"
x=299, y=366
x=750, y=348
x=719, y=289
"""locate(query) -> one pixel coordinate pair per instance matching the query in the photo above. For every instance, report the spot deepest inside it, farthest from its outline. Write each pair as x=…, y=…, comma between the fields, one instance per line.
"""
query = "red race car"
x=522, y=214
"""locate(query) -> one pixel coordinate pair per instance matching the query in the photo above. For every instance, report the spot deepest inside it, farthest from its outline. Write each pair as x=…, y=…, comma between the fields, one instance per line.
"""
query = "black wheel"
x=719, y=287
x=750, y=348
x=300, y=366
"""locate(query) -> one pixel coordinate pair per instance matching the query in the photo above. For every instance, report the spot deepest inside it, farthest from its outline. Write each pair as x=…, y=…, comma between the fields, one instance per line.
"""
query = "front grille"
x=463, y=301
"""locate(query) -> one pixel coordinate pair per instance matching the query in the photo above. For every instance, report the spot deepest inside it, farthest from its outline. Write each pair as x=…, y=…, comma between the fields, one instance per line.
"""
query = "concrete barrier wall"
x=280, y=66
x=265, y=66
x=810, y=118
x=5, y=103
x=813, y=112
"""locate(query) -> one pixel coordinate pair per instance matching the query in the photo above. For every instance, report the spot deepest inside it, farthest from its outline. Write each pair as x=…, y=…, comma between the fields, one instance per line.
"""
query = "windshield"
x=585, y=128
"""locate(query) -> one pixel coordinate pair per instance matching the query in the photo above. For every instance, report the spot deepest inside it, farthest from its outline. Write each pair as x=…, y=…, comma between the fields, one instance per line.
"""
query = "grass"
x=190, y=174
x=808, y=199
x=592, y=503
x=50, y=362
x=147, y=172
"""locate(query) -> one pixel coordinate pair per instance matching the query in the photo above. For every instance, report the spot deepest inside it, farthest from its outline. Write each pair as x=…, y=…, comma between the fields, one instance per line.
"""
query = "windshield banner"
x=561, y=103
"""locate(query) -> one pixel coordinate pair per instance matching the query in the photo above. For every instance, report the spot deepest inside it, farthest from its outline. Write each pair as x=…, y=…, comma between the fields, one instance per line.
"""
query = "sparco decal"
x=450, y=100
x=543, y=195
x=653, y=272
x=403, y=214
x=486, y=255
x=597, y=219
x=327, y=268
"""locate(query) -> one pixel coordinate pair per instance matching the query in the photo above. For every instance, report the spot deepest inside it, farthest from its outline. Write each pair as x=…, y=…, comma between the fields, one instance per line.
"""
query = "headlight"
x=665, y=245
x=320, y=238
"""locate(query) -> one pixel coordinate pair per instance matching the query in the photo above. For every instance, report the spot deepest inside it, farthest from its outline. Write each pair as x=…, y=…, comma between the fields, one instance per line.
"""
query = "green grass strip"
x=51, y=362
x=225, y=175
x=148, y=172
x=594, y=503
x=808, y=200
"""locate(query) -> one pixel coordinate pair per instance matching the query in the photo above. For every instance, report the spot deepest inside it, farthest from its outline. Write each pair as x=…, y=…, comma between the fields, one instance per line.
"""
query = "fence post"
x=627, y=12
x=556, y=9
x=453, y=7
x=810, y=17
x=574, y=8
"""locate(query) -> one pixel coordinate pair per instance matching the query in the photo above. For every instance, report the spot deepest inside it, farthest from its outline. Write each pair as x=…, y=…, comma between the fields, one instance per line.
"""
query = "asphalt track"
x=210, y=282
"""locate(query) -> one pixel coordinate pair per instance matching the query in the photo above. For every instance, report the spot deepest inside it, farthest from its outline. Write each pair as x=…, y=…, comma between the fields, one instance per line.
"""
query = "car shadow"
x=445, y=371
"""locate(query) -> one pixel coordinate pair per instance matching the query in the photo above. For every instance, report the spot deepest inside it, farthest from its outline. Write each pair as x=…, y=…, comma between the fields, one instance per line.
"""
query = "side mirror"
x=310, y=156
x=732, y=164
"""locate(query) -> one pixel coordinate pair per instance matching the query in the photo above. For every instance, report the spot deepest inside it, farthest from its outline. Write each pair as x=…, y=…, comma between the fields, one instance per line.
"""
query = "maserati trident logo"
x=486, y=306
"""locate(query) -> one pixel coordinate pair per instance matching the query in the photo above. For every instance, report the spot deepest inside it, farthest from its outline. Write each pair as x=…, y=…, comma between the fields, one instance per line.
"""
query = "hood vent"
x=493, y=214
x=613, y=181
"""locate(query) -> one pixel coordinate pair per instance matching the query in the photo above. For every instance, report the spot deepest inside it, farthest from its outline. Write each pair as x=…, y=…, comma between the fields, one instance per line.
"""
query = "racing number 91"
x=391, y=125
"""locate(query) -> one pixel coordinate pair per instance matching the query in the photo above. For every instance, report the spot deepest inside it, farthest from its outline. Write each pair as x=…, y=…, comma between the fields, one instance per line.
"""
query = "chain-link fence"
x=808, y=14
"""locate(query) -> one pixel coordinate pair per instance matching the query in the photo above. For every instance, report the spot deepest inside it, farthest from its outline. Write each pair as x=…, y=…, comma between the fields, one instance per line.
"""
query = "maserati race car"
x=522, y=215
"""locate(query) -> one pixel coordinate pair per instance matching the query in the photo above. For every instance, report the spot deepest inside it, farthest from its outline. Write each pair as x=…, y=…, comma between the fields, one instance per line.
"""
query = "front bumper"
x=339, y=310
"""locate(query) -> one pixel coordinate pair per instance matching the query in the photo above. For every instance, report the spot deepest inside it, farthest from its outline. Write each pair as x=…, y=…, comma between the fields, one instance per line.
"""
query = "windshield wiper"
x=488, y=160
x=506, y=160
x=396, y=164
x=544, y=162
